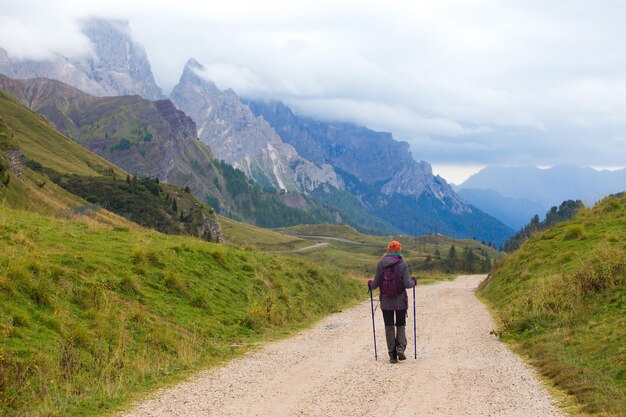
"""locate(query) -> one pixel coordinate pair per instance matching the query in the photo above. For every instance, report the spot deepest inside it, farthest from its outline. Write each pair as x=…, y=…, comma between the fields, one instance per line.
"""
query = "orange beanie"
x=394, y=247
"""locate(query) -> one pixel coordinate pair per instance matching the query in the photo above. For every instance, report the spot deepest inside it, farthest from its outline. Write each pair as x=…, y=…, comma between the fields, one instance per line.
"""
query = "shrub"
x=128, y=285
x=34, y=165
x=175, y=284
x=5, y=178
x=607, y=270
x=122, y=145
x=574, y=232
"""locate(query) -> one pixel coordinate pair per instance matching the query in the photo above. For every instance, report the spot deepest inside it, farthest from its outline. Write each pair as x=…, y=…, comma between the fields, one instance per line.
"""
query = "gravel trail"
x=329, y=370
x=315, y=246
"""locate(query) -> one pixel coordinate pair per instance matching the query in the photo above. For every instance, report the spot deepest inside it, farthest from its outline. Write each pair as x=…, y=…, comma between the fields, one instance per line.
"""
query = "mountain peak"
x=193, y=75
x=96, y=23
x=192, y=64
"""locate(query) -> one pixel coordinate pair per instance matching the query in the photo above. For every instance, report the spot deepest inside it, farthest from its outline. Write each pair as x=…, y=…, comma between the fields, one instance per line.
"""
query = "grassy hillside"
x=35, y=192
x=36, y=140
x=562, y=299
x=40, y=141
x=83, y=331
x=52, y=200
x=259, y=239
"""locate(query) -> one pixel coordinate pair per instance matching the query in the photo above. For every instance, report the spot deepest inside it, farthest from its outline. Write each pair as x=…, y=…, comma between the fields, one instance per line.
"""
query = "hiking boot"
x=393, y=358
x=401, y=342
x=400, y=352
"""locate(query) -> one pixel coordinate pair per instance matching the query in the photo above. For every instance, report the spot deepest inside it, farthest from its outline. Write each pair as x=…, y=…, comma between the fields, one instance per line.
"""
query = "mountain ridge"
x=381, y=170
x=53, y=175
x=549, y=187
x=155, y=139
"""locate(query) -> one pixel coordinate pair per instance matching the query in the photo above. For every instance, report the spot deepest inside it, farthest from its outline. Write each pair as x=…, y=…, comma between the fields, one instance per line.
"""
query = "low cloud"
x=39, y=38
x=463, y=81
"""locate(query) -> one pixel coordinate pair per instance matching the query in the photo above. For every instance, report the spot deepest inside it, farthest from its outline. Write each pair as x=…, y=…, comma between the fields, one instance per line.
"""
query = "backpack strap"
x=393, y=264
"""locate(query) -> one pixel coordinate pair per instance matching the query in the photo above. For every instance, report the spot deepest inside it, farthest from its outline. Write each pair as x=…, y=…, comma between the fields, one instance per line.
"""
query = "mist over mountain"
x=118, y=65
x=549, y=187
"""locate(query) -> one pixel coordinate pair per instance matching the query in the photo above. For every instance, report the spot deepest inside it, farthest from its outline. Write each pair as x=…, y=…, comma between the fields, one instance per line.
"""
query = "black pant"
x=400, y=318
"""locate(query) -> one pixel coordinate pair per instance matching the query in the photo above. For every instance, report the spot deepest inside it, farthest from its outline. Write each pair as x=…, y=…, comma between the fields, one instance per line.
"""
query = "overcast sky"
x=466, y=82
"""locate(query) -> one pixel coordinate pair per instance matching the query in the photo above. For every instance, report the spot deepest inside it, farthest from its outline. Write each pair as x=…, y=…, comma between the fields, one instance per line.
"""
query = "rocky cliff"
x=242, y=139
x=117, y=66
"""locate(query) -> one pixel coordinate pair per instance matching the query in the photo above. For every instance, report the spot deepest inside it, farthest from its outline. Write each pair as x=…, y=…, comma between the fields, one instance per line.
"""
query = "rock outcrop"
x=212, y=229
x=242, y=139
x=118, y=65
x=15, y=162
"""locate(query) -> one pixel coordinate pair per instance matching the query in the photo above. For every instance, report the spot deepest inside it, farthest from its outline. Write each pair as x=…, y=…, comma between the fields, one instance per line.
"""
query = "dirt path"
x=461, y=370
x=315, y=246
x=338, y=239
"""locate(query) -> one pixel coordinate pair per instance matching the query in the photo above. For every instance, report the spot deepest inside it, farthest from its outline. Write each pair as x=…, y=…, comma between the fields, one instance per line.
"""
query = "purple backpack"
x=392, y=285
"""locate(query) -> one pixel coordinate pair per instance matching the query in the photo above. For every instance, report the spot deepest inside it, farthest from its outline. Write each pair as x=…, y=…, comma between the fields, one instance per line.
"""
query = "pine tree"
x=452, y=253
x=451, y=262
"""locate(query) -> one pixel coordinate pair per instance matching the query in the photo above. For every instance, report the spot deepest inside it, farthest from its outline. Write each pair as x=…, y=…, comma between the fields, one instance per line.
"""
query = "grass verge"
x=562, y=300
x=91, y=315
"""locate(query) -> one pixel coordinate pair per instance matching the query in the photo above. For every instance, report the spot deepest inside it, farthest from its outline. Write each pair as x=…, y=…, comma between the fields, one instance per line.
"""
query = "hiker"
x=392, y=277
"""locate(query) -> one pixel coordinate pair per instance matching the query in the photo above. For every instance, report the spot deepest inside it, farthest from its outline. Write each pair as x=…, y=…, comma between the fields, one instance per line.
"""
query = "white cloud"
x=456, y=174
x=477, y=81
x=39, y=38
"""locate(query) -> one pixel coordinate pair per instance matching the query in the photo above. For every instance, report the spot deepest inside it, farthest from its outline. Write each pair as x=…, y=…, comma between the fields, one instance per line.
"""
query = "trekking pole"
x=373, y=325
x=414, y=325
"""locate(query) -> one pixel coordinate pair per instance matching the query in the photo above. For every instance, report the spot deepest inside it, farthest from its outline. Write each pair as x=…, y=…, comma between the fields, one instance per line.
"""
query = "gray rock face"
x=15, y=162
x=372, y=157
x=417, y=178
x=242, y=139
x=212, y=229
x=117, y=67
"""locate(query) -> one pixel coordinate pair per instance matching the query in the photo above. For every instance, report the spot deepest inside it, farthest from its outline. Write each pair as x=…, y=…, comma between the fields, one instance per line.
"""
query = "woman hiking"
x=392, y=277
